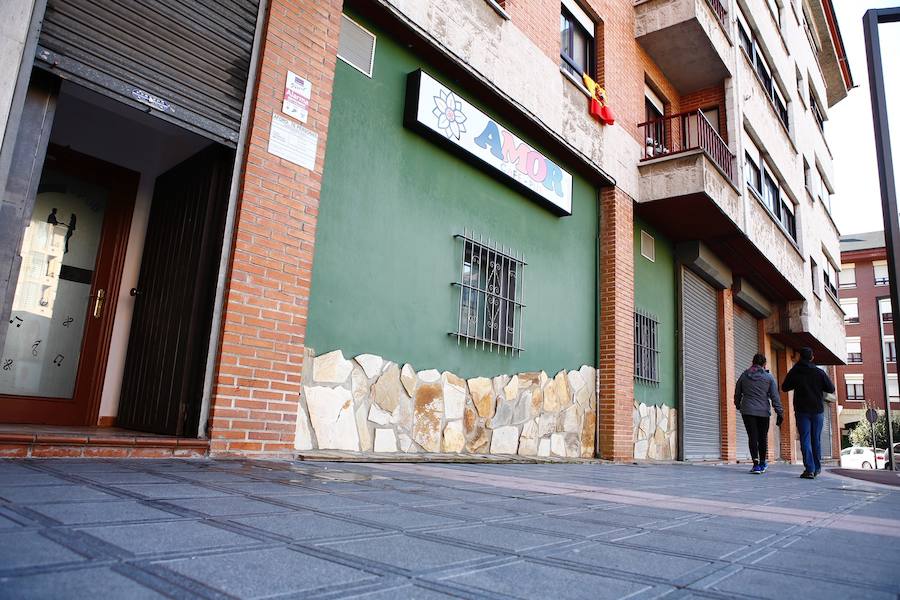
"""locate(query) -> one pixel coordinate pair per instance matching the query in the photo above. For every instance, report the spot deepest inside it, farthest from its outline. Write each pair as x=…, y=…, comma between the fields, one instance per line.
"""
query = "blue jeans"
x=809, y=426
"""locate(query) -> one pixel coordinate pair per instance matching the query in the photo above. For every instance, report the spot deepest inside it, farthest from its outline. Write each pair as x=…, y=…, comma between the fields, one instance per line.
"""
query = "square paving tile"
x=324, y=502
x=531, y=580
x=30, y=478
x=408, y=592
x=630, y=560
x=78, y=513
x=305, y=525
x=168, y=536
x=680, y=543
x=81, y=584
x=412, y=554
x=564, y=526
x=164, y=491
x=475, y=511
x=777, y=586
x=224, y=506
x=260, y=573
x=35, y=494
x=117, y=477
x=709, y=529
x=266, y=488
x=19, y=549
x=492, y=537
x=401, y=519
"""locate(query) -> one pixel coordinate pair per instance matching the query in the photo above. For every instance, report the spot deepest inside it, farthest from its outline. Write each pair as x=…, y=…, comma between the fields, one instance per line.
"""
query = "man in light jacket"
x=754, y=390
x=809, y=384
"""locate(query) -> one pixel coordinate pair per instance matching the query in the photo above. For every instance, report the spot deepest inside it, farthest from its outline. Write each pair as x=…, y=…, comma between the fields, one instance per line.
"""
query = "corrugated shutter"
x=700, y=359
x=825, y=440
x=746, y=344
x=185, y=60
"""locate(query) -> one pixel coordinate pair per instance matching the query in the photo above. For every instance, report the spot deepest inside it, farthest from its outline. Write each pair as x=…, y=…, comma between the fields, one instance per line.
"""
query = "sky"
x=856, y=205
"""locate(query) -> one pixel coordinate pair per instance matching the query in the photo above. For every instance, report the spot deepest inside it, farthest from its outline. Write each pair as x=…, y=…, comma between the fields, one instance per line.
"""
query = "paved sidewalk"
x=249, y=529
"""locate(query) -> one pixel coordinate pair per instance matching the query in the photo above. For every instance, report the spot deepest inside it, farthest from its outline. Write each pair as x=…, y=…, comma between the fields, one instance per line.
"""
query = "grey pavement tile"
x=377, y=496
x=682, y=544
x=20, y=549
x=612, y=517
x=30, y=478
x=631, y=560
x=225, y=506
x=211, y=476
x=79, y=513
x=530, y=580
x=81, y=584
x=709, y=529
x=168, y=536
x=6, y=523
x=475, y=511
x=266, y=488
x=778, y=586
x=859, y=568
x=118, y=477
x=402, y=519
x=409, y=553
x=306, y=525
x=53, y=493
x=70, y=465
x=493, y=537
x=564, y=526
x=263, y=573
x=323, y=501
x=407, y=592
x=740, y=522
x=165, y=491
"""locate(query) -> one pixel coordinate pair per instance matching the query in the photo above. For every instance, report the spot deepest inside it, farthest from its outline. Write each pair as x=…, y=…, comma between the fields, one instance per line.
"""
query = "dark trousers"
x=809, y=426
x=758, y=434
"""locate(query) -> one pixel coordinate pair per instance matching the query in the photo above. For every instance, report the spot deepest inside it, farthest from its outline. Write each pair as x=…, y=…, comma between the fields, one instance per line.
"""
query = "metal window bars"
x=491, y=295
x=646, y=347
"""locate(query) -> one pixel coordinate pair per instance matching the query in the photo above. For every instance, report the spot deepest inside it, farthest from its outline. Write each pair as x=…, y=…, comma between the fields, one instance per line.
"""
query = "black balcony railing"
x=686, y=131
x=854, y=357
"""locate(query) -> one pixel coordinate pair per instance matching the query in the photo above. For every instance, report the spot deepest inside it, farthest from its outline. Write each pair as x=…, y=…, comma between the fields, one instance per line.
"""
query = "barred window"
x=646, y=348
x=492, y=294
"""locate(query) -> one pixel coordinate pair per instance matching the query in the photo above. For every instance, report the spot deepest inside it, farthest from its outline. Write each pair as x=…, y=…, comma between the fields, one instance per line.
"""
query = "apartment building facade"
x=409, y=233
x=871, y=350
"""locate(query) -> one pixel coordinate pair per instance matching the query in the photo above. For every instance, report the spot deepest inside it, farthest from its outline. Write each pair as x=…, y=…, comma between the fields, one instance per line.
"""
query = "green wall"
x=655, y=292
x=385, y=253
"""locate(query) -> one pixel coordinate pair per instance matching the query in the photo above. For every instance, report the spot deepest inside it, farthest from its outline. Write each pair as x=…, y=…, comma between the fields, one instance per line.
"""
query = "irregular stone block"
x=546, y=424
x=359, y=385
x=505, y=440
x=454, y=439
x=385, y=440
x=387, y=389
x=405, y=443
x=576, y=382
x=641, y=448
x=499, y=382
x=482, y=391
x=503, y=415
x=331, y=413
x=530, y=429
x=573, y=444
x=454, y=400
x=453, y=379
x=558, y=444
x=556, y=394
x=365, y=430
x=480, y=441
x=408, y=378
x=429, y=376
x=570, y=420
x=511, y=389
x=522, y=408
x=331, y=368
x=428, y=413
x=470, y=419
x=544, y=447
x=588, y=433
x=303, y=438
x=370, y=363
x=528, y=446
x=673, y=444
x=379, y=416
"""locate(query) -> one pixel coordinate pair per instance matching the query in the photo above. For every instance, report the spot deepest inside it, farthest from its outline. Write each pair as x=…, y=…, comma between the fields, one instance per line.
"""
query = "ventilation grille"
x=356, y=46
x=648, y=246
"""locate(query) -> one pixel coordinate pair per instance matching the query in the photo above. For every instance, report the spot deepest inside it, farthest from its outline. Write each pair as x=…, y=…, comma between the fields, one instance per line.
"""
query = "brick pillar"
x=616, y=325
x=835, y=429
x=789, y=426
x=254, y=403
x=727, y=377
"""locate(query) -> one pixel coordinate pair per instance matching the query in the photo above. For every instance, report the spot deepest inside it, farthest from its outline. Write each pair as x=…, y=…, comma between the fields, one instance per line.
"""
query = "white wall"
x=116, y=133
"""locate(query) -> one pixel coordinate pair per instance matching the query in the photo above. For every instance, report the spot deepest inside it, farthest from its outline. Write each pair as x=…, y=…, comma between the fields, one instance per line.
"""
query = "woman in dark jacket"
x=754, y=390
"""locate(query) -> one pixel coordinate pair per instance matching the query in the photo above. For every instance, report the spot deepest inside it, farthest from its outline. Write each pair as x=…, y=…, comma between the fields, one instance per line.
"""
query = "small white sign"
x=297, y=92
x=293, y=142
x=438, y=110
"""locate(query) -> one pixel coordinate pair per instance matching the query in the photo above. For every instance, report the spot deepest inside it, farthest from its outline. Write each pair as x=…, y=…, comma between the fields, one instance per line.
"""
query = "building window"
x=893, y=391
x=751, y=47
x=850, y=307
x=655, y=129
x=770, y=193
x=890, y=349
x=814, y=273
x=881, y=272
x=648, y=246
x=848, y=276
x=646, y=347
x=829, y=275
x=781, y=207
x=855, y=387
x=854, y=350
x=800, y=87
x=884, y=307
x=491, y=299
x=818, y=115
x=576, y=33
x=753, y=174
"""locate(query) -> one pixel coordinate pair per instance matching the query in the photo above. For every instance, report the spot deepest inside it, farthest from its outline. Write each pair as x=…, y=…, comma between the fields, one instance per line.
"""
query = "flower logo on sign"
x=448, y=111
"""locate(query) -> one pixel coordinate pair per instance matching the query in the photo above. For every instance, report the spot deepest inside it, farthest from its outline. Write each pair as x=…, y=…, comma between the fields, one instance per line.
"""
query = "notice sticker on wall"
x=293, y=142
x=297, y=92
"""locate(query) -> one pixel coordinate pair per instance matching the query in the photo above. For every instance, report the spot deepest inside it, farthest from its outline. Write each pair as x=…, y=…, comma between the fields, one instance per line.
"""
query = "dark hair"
x=759, y=359
x=806, y=353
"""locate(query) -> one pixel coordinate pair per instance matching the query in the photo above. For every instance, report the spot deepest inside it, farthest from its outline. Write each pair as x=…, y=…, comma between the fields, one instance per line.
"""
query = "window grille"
x=646, y=348
x=491, y=295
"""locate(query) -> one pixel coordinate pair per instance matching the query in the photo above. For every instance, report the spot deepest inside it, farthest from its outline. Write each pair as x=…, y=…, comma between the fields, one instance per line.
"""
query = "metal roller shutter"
x=825, y=440
x=187, y=60
x=746, y=344
x=700, y=360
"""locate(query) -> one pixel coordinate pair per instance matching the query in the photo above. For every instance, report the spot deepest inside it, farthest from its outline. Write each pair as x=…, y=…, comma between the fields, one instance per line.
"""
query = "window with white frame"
x=893, y=390
x=854, y=350
x=881, y=272
x=829, y=276
x=814, y=274
x=890, y=349
x=816, y=109
x=848, y=275
x=576, y=33
x=850, y=306
x=855, y=386
x=771, y=193
x=822, y=191
x=752, y=167
x=750, y=45
x=884, y=307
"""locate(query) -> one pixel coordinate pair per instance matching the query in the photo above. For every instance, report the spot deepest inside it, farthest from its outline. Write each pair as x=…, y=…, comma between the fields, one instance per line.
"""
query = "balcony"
x=688, y=39
x=667, y=136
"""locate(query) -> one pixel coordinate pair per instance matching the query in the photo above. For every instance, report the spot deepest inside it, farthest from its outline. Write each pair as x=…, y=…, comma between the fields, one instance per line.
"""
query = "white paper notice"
x=293, y=142
x=296, y=97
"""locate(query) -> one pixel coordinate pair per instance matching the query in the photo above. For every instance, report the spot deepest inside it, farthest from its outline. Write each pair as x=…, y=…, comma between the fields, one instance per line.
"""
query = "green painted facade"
x=386, y=255
x=655, y=291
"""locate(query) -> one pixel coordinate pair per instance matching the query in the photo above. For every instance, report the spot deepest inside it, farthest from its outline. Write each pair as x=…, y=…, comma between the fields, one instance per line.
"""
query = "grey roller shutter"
x=746, y=344
x=186, y=61
x=825, y=440
x=700, y=363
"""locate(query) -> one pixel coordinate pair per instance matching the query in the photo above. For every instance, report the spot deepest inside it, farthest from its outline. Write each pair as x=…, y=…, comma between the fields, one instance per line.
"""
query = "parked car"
x=857, y=457
x=886, y=457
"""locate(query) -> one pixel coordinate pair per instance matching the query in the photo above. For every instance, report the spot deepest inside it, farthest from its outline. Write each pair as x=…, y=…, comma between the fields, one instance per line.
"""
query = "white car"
x=857, y=457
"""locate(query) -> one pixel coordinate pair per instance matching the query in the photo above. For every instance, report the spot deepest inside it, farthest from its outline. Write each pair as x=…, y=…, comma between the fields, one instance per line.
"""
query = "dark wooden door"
x=167, y=350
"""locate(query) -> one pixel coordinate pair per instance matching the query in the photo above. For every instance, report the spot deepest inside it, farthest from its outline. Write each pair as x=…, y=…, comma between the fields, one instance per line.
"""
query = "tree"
x=862, y=433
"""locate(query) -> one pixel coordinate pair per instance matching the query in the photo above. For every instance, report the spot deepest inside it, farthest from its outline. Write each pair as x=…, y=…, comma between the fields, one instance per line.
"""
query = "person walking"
x=753, y=393
x=809, y=384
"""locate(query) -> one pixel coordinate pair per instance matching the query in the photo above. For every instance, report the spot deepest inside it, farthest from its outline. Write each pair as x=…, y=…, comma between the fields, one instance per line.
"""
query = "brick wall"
x=539, y=20
x=616, y=325
x=709, y=98
x=254, y=404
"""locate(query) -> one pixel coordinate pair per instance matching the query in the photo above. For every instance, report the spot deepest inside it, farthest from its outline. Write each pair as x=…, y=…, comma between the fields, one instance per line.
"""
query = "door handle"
x=134, y=292
x=98, y=304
